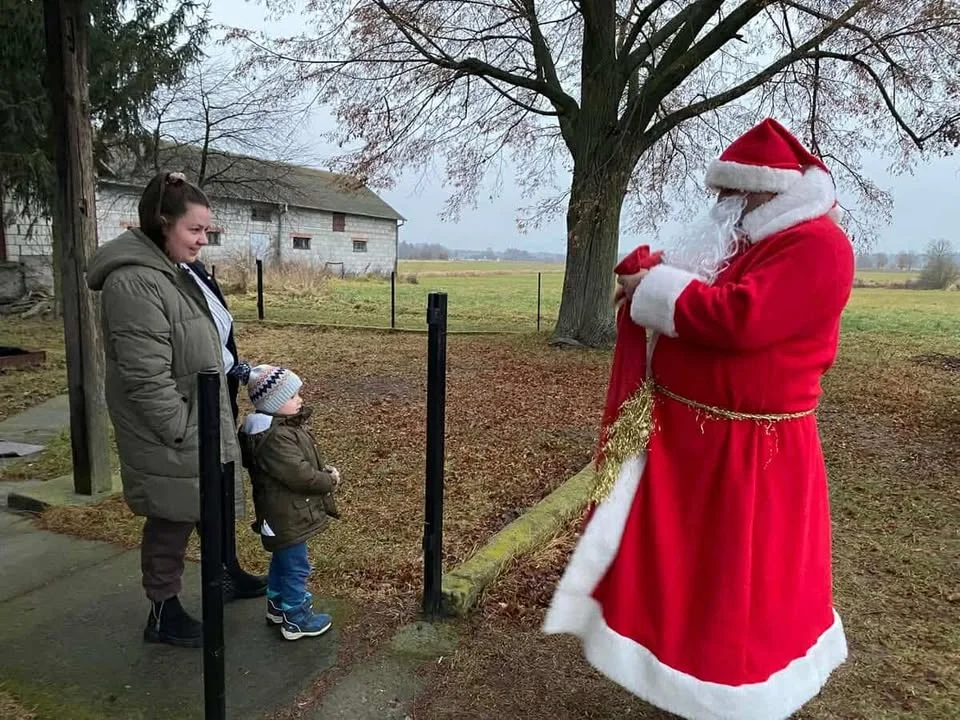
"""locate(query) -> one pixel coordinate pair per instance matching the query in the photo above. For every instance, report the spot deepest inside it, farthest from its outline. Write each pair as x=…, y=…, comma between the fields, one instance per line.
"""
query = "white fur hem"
x=725, y=175
x=810, y=197
x=655, y=298
x=600, y=541
x=636, y=669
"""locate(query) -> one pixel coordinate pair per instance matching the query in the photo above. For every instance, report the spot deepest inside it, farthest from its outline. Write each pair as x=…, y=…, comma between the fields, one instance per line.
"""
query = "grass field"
x=480, y=295
x=521, y=416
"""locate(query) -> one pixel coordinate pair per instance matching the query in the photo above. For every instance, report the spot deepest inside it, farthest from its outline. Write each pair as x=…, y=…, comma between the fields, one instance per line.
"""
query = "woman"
x=164, y=321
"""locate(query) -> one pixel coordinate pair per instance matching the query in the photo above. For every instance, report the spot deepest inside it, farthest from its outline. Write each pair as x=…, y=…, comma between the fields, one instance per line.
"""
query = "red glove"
x=640, y=259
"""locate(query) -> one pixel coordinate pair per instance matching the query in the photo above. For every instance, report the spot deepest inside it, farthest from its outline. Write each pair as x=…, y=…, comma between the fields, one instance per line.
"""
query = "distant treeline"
x=435, y=251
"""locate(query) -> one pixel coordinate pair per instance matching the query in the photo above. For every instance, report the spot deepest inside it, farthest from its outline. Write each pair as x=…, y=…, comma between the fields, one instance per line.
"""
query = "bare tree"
x=213, y=122
x=631, y=97
x=940, y=270
x=881, y=259
x=906, y=261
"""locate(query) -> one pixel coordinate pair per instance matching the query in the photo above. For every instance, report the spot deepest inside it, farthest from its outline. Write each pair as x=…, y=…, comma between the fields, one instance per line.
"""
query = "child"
x=292, y=494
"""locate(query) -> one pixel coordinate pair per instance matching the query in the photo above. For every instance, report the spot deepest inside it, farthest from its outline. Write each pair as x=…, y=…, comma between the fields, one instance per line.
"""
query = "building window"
x=301, y=242
x=339, y=222
x=260, y=213
x=213, y=238
x=359, y=245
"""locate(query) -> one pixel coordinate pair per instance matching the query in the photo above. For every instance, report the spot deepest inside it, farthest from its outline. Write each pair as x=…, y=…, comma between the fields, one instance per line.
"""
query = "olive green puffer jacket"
x=158, y=334
x=293, y=491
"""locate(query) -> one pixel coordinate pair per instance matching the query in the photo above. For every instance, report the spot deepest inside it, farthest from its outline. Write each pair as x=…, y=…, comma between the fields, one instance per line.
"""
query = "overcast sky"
x=926, y=204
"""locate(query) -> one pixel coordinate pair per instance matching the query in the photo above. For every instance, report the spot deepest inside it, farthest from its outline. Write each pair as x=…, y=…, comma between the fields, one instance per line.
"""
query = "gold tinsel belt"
x=630, y=434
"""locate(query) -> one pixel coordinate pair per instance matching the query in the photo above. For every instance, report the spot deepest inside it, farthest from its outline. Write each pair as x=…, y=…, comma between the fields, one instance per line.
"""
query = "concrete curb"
x=36, y=496
x=463, y=586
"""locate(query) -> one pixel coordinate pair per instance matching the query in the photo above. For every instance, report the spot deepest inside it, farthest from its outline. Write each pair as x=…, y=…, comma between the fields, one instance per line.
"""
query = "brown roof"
x=240, y=177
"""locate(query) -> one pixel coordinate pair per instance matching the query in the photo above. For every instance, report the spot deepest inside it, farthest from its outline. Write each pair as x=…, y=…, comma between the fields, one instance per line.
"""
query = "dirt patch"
x=375, y=388
x=950, y=363
x=10, y=709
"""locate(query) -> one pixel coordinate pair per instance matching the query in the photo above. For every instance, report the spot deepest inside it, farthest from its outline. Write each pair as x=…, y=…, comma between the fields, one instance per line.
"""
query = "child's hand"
x=335, y=474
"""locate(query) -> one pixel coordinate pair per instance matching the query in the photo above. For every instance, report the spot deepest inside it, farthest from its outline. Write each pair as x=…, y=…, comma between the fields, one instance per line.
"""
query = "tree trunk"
x=75, y=227
x=593, y=233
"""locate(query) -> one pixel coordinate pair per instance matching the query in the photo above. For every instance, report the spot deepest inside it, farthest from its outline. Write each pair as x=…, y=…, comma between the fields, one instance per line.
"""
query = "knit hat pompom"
x=271, y=387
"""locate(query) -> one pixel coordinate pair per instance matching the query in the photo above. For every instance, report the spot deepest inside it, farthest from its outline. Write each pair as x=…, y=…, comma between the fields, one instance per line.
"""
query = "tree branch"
x=631, y=62
x=675, y=118
x=917, y=139
x=563, y=102
x=643, y=17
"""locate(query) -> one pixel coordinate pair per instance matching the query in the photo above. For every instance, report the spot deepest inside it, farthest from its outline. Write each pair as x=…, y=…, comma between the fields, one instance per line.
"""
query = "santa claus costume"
x=702, y=580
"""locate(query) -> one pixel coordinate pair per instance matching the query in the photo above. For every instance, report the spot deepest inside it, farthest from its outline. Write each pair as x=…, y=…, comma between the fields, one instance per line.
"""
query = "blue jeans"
x=287, y=578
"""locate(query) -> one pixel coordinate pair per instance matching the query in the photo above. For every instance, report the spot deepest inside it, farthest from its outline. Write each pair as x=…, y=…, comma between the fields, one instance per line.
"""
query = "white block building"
x=281, y=213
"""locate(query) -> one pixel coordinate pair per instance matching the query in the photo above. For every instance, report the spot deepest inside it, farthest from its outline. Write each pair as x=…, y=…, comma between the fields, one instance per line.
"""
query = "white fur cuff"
x=655, y=298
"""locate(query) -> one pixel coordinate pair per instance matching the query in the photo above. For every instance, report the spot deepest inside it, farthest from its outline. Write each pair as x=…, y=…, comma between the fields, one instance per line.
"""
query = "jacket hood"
x=256, y=423
x=130, y=248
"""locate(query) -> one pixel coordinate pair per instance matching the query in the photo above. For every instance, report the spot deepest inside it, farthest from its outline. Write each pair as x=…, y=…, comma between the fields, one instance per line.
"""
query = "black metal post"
x=259, y=289
x=436, y=405
x=213, y=271
x=539, y=278
x=211, y=543
x=393, y=300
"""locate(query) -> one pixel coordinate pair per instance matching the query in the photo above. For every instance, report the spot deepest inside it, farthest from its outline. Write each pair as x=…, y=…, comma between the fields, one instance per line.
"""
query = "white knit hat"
x=270, y=387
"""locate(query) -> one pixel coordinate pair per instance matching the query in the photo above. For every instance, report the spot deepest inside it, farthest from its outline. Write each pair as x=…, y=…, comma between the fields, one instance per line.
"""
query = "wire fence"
x=515, y=301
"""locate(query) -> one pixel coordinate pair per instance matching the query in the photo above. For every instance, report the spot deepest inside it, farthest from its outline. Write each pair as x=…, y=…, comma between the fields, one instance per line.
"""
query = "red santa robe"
x=702, y=583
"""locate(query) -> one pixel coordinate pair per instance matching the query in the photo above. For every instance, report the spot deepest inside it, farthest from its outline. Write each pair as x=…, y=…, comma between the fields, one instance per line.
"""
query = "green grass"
x=910, y=316
x=470, y=267
x=887, y=277
x=485, y=301
x=490, y=299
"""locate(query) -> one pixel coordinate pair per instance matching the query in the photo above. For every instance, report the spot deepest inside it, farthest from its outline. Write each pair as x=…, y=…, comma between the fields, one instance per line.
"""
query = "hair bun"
x=175, y=178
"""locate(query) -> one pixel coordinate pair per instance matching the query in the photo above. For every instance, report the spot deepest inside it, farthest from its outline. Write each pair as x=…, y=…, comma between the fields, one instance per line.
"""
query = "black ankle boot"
x=238, y=584
x=170, y=624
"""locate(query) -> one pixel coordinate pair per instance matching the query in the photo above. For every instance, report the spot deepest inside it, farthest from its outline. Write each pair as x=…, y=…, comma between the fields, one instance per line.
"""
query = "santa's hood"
x=808, y=198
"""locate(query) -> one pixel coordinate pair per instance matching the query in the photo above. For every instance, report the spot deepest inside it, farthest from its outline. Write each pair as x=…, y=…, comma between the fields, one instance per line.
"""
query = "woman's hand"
x=627, y=285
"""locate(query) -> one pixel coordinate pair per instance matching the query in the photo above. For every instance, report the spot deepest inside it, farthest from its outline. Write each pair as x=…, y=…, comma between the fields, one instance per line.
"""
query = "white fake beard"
x=707, y=246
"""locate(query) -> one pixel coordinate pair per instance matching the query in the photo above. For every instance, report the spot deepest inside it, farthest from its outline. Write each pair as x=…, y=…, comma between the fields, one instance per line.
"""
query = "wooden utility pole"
x=75, y=226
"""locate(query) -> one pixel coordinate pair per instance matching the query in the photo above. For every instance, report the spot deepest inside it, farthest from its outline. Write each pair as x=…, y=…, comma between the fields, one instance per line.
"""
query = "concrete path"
x=72, y=614
x=38, y=425
x=71, y=617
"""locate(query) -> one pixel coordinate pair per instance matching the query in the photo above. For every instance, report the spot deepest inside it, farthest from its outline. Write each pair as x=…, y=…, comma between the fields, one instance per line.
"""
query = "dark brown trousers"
x=164, y=547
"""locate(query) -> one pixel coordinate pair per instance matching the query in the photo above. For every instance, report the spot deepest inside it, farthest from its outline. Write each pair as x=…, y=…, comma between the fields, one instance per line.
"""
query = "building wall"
x=377, y=238
x=241, y=236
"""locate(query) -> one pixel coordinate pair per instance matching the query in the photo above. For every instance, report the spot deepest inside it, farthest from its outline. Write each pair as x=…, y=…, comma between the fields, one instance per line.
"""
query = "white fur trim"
x=836, y=214
x=632, y=666
x=726, y=175
x=811, y=197
x=636, y=669
x=655, y=298
x=596, y=550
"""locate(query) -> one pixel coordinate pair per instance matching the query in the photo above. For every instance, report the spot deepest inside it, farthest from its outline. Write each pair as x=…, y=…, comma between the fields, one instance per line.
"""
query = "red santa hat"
x=766, y=158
